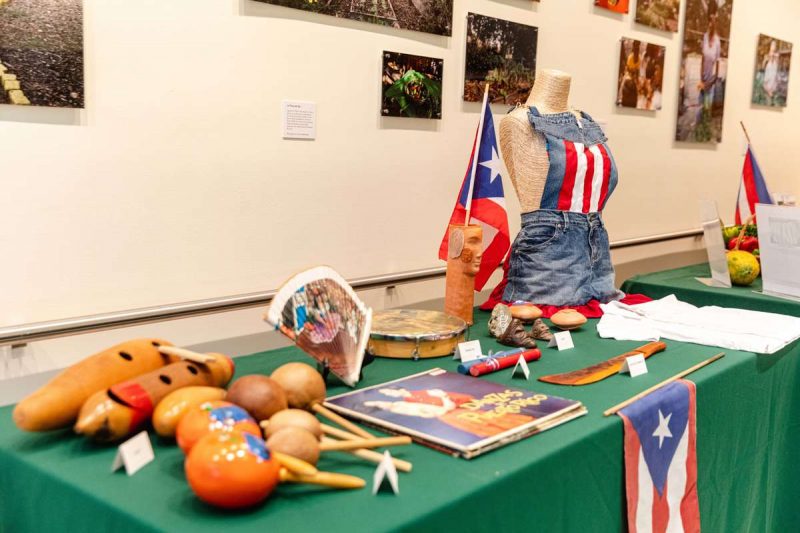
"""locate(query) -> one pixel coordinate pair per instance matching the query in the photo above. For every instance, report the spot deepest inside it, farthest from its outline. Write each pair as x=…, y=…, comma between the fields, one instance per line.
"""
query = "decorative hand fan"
x=322, y=315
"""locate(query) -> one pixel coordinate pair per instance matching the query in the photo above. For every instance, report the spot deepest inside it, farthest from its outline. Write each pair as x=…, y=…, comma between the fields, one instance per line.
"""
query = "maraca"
x=212, y=417
x=236, y=469
x=305, y=389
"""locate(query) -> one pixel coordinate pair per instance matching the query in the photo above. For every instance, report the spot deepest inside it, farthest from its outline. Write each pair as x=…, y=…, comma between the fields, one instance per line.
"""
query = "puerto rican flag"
x=752, y=189
x=660, y=460
x=488, y=200
x=586, y=178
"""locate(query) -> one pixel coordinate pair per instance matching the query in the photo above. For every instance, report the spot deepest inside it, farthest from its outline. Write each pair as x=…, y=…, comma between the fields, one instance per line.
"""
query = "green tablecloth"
x=567, y=479
x=682, y=283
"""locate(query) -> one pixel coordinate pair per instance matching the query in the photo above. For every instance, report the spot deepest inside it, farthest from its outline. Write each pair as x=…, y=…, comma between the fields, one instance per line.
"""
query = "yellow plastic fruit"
x=743, y=267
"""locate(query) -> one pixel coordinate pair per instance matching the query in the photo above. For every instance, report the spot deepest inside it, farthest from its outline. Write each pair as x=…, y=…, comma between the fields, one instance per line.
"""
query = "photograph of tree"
x=429, y=16
x=619, y=6
x=704, y=67
x=771, y=81
x=41, y=53
x=502, y=53
x=412, y=86
x=641, y=75
x=659, y=14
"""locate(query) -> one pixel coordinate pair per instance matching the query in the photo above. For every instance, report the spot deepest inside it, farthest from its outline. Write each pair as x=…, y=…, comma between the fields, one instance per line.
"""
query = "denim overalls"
x=561, y=255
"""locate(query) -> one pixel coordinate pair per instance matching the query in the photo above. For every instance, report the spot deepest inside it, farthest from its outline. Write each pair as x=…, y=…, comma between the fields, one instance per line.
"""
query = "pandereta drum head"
x=414, y=333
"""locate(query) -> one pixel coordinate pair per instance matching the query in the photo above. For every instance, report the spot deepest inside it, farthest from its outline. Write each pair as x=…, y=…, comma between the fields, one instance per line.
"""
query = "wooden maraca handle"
x=327, y=479
x=294, y=465
x=363, y=443
x=333, y=417
x=375, y=457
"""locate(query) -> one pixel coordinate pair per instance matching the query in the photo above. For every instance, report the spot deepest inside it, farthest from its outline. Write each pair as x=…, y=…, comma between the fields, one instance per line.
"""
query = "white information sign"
x=634, y=365
x=299, y=119
x=468, y=351
x=779, y=244
x=134, y=454
x=385, y=471
x=562, y=340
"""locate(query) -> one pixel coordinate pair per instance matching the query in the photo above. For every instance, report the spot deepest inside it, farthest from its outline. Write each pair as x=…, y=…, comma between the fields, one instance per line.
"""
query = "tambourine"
x=414, y=334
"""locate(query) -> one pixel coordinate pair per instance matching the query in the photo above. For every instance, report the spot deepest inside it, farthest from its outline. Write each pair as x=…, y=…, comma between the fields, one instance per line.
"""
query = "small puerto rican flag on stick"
x=481, y=199
x=660, y=460
x=752, y=188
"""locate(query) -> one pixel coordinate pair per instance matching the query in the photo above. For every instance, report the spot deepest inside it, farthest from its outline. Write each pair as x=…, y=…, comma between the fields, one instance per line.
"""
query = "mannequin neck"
x=550, y=93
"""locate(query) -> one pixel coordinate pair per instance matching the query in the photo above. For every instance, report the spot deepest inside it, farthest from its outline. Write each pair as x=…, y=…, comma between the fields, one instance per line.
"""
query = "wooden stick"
x=746, y=136
x=372, y=456
x=657, y=386
x=189, y=355
x=336, y=419
x=328, y=479
x=363, y=443
x=295, y=465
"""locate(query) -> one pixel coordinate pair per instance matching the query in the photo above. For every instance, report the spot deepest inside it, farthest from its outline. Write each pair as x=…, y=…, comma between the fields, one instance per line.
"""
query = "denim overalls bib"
x=561, y=254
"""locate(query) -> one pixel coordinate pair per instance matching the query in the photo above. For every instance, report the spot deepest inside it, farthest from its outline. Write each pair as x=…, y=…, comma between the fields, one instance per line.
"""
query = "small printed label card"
x=385, y=471
x=134, y=454
x=562, y=340
x=522, y=367
x=468, y=351
x=634, y=365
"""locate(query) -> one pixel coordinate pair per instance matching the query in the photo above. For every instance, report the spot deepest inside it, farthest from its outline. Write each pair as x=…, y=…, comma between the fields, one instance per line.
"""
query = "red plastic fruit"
x=213, y=416
x=231, y=470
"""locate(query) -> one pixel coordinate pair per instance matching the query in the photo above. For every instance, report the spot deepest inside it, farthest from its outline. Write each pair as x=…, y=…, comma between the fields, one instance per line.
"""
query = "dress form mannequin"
x=524, y=150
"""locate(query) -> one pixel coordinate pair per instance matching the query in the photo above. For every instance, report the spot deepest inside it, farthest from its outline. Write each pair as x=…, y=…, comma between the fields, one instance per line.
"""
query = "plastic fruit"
x=743, y=267
x=214, y=416
x=231, y=469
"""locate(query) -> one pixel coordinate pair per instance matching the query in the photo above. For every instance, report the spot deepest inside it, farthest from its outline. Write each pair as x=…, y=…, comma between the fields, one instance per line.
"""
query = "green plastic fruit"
x=730, y=232
x=743, y=267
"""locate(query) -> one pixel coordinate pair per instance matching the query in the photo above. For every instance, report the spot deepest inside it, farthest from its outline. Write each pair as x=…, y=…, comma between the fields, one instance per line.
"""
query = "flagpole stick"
x=475, y=155
x=626, y=403
x=746, y=135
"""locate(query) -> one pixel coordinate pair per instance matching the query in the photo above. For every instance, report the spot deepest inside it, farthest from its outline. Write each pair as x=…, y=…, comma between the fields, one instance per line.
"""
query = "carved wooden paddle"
x=600, y=371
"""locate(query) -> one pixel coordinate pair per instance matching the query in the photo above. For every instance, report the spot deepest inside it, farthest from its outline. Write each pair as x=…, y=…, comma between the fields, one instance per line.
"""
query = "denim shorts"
x=561, y=258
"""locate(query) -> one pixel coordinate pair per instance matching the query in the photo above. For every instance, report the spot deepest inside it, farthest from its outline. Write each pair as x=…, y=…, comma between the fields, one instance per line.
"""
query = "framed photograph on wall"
x=659, y=14
x=771, y=79
x=618, y=6
x=502, y=53
x=41, y=53
x=704, y=68
x=640, y=78
x=429, y=16
x=411, y=86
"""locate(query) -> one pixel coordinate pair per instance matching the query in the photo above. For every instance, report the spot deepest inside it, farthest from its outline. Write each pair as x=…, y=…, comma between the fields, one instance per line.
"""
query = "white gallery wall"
x=174, y=183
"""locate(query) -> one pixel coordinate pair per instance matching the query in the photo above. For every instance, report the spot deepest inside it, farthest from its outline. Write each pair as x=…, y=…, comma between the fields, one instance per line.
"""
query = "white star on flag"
x=495, y=165
x=662, y=431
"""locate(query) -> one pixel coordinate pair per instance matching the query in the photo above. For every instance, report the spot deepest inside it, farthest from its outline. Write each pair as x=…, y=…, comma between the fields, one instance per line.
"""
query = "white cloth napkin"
x=737, y=329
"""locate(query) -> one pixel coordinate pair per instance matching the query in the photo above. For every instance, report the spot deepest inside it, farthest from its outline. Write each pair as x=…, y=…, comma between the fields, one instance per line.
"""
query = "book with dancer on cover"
x=457, y=414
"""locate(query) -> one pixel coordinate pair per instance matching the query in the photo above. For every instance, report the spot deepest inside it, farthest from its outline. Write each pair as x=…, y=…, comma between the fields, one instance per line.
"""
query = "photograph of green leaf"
x=502, y=53
x=412, y=86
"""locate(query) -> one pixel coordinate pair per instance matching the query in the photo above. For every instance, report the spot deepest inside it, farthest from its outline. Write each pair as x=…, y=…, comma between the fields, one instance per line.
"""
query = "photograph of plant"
x=41, y=53
x=619, y=6
x=704, y=68
x=502, y=53
x=429, y=16
x=641, y=75
x=771, y=81
x=659, y=14
x=412, y=86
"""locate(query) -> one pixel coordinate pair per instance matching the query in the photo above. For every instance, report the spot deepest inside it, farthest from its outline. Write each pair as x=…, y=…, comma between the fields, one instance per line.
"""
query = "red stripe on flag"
x=631, y=447
x=565, y=196
x=660, y=509
x=606, y=177
x=750, y=182
x=587, y=180
x=690, y=506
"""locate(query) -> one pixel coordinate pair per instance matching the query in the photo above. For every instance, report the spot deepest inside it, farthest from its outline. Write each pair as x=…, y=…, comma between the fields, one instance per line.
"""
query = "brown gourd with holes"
x=118, y=411
x=56, y=404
